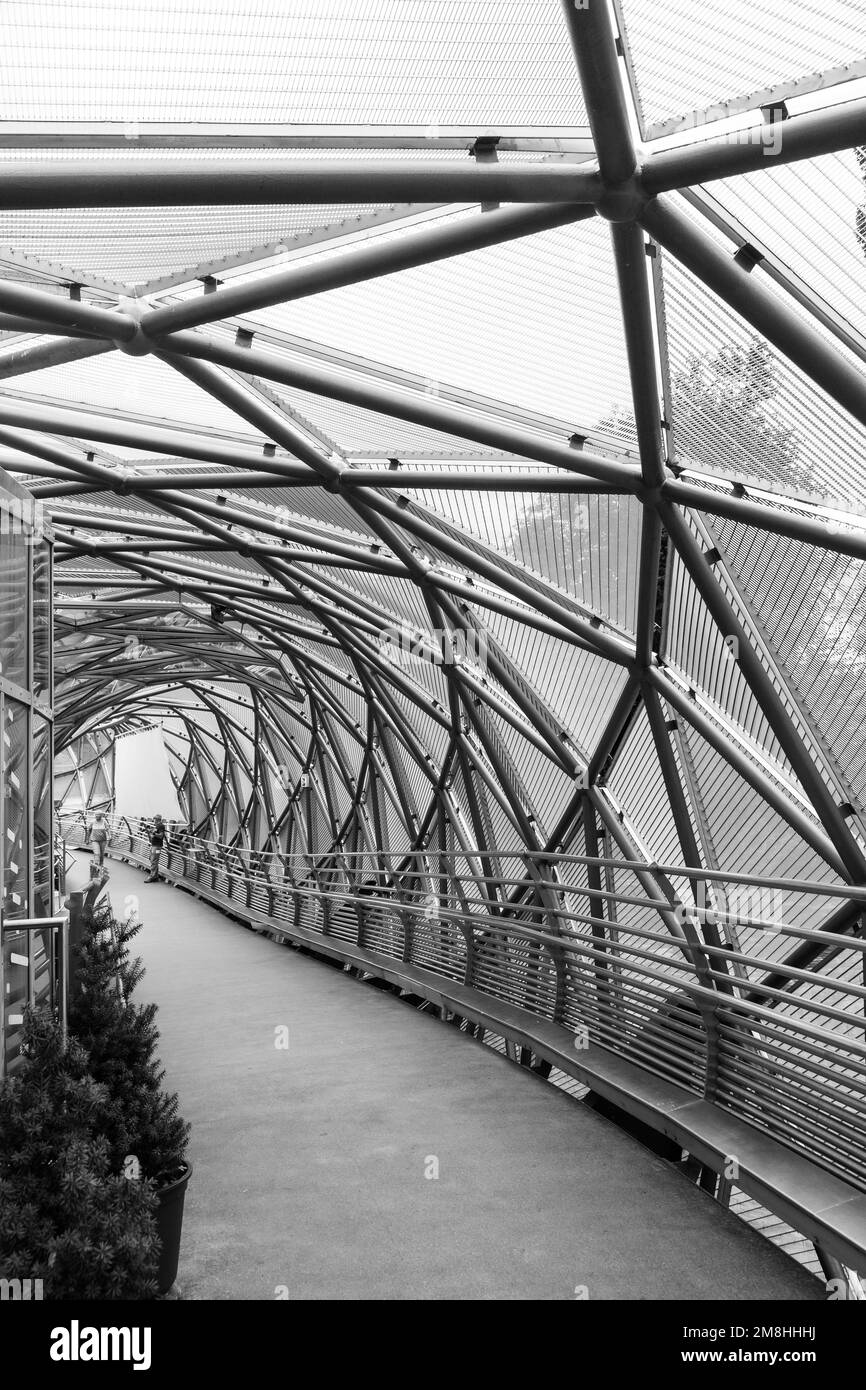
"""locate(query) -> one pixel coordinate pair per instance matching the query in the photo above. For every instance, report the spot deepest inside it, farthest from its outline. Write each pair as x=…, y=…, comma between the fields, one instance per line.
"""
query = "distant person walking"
x=99, y=838
x=157, y=840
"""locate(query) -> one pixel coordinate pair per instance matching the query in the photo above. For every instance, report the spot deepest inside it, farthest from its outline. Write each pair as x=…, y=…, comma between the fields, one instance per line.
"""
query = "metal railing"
x=584, y=958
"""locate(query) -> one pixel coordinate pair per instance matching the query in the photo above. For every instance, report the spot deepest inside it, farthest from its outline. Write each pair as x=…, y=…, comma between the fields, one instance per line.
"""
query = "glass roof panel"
x=688, y=56
x=809, y=214
x=811, y=606
x=138, y=245
x=741, y=409
x=365, y=61
x=534, y=321
x=579, y=689
x=141, y=386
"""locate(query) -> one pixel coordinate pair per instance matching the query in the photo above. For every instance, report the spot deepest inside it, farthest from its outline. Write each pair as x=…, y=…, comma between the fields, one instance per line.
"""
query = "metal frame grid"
x=243, y=583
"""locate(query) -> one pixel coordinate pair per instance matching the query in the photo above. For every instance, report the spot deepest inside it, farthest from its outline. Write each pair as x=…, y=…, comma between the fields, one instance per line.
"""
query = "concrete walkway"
x=312, y=1162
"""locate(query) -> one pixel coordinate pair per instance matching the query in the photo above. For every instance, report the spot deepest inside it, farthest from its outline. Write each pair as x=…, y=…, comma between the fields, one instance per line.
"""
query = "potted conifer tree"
x=147, y=1138
x=68, y=1218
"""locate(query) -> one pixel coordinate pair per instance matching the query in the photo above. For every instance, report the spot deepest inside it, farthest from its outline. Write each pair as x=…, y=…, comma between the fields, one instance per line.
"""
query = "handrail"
x=854, y=893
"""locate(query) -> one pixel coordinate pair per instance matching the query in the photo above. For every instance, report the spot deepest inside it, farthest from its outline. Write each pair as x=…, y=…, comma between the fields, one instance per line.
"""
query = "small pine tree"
x=65, y=1216
x=121, y=1040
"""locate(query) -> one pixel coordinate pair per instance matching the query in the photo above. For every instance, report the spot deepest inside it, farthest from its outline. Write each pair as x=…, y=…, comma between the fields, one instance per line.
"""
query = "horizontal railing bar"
x=586, y=946
x=730, y=1042
x=807, y=977
x=803, y=1108
x=831, y=1099
x=767, y=1036
x=744, y=1100
x=759, y=1017
x=792, y=885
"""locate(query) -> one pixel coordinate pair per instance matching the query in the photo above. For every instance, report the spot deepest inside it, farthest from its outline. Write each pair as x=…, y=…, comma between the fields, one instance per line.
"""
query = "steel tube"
x=57, y=455
x=634, y=297
x=38, y=356
x=765, y=311
x=485, y=599
x=765, y=517
x=383, y=256
x=604, y=643
x=647, y=586
x=802, y=137
x=592, y=40
x=143, y=484
x=644, y=876
x=750, y=773
x=19, y=323
x=257, y=413
x=66, y=313
x=766, y=694
x=192, y=182
x=483, y=479
x=627, y=703
x=419, y=410
x=82, y=424
x=258, y=135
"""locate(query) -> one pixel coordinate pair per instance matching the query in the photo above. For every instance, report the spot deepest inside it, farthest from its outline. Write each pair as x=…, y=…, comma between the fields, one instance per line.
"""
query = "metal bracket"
x=748, y=257
x=483, y=151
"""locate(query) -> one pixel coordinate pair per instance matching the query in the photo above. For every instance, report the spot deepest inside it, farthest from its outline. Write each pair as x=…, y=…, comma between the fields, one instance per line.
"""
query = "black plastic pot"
x=169, y=1223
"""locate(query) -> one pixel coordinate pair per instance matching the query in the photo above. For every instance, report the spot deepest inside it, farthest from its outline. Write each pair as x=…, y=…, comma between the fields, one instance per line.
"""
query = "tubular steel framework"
x=467, y=588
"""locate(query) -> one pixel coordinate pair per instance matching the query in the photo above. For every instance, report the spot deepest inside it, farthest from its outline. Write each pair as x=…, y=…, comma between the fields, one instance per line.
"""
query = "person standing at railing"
x=157, y=840
x=99, y=839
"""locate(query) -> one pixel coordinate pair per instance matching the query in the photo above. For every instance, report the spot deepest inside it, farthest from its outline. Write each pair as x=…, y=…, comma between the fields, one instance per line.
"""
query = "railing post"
x=362, y=921
x=326, y=913
x=469, y=938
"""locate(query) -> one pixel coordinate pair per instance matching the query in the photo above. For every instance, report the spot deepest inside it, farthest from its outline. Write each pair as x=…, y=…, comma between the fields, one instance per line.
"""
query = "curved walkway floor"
x=310, y=1161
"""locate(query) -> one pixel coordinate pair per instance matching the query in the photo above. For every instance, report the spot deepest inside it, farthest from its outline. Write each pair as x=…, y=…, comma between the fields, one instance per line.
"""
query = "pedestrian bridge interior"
x=444, y=430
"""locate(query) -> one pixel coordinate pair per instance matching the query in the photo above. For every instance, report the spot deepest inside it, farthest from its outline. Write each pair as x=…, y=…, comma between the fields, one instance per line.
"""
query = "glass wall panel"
x=16, y=963
x=30, y=956
x=14, y=566
x=16, y=829
x=42, y=813
x=42, y=616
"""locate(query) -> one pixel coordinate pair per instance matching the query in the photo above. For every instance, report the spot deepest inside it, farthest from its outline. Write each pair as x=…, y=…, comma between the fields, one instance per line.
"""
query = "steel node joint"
x=333, y=482
x=622, y=202
x=651, y=495
x=136, y=343
x=644, y=672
